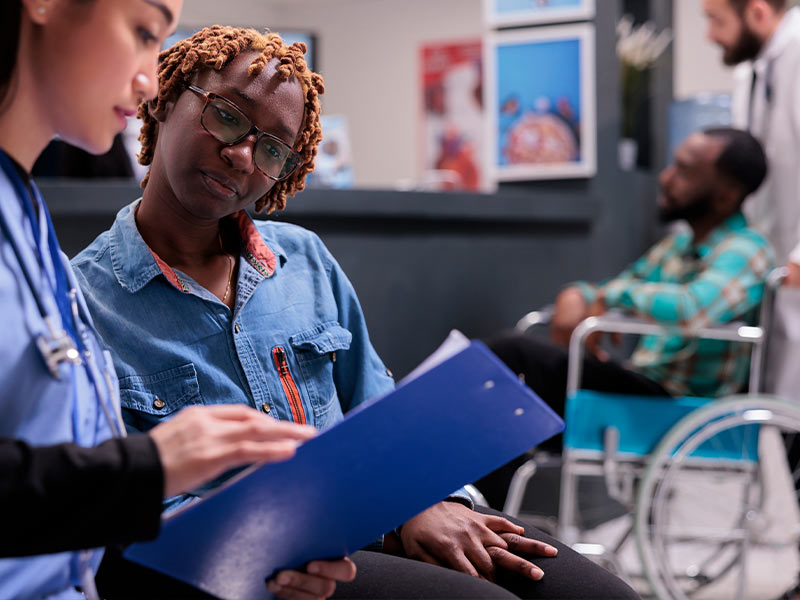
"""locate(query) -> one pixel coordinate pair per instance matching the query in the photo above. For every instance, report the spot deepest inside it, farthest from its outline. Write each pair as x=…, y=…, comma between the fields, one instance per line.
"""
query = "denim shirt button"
x=236, y=327
x=265, y=407
x=158, y=403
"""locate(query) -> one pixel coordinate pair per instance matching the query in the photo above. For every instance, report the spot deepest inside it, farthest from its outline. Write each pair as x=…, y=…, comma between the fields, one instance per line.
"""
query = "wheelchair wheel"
x=719, y=494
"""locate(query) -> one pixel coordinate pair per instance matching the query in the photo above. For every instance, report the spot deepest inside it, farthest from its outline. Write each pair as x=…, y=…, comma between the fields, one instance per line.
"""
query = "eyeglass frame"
x=209, y=96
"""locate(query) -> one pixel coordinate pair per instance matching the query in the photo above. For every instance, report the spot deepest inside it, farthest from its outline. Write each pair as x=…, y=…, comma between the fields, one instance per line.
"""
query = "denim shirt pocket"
x=315, y=352
x=148, y=399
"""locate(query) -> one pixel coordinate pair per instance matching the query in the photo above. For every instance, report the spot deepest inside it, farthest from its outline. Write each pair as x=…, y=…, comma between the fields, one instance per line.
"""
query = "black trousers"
x=544, y=367
x=568, y=576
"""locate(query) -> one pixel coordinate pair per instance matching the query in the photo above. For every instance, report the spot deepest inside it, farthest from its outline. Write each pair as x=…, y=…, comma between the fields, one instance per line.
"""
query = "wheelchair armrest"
x=613, y=322
x=543, y=316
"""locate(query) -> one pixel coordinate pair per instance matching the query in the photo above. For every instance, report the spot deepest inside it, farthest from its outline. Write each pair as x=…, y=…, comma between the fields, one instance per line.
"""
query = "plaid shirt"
x=692, y=286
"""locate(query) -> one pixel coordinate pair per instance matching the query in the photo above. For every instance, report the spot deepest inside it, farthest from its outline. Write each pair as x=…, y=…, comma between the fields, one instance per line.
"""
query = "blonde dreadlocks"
x=214, y=48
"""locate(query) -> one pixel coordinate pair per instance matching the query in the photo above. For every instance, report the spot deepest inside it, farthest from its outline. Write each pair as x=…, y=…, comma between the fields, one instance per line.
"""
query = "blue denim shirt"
x=295, y=346
x=34, y=406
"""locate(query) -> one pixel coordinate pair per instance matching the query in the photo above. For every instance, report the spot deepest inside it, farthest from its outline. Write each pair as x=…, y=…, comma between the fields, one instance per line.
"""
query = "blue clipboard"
x=385, y=462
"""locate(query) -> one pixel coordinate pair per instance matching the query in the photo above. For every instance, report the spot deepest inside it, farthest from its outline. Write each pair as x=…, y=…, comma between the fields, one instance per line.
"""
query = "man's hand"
x=792, y=275
x=318, y=582
x=598, y=308
x=570, y=309
x=202, y=442
x=450, y=534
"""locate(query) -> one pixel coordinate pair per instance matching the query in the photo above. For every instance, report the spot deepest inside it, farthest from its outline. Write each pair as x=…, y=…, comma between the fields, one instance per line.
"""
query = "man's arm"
x=582, y=299
x=732, y=284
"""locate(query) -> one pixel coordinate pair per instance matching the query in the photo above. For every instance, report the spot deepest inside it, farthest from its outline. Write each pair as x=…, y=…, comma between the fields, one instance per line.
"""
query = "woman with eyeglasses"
x=201, y=305
x=76, y=69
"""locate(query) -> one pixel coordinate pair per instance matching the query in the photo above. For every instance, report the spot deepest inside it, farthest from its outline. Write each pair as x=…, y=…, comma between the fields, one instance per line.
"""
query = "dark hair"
x=10, y=12
x=740, y=5
x=742, y=159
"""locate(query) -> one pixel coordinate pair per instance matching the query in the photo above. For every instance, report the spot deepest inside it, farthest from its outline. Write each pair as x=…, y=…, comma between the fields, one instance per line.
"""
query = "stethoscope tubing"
x=80, y=320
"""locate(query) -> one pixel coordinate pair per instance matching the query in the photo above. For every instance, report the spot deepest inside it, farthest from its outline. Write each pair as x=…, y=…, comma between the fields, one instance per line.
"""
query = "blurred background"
x=432, y=230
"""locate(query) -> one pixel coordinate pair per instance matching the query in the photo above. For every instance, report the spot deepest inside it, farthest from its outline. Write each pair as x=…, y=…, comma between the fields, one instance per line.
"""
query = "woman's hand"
x=452, y=535
x=202, y=442
x=318, y=582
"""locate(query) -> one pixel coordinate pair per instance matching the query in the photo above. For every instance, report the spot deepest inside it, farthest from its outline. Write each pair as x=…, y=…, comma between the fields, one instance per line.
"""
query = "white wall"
x=697, y=62
x=367, y=52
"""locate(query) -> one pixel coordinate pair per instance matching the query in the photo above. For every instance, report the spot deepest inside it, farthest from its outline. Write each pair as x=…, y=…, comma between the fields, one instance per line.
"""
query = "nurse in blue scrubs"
x=76, y=69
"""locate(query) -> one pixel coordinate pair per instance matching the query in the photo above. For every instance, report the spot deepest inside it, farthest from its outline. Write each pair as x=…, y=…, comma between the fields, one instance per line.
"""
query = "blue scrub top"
x=36, y=407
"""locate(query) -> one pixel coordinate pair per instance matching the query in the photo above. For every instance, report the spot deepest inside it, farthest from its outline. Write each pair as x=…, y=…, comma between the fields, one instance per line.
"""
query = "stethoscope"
x=57, y=345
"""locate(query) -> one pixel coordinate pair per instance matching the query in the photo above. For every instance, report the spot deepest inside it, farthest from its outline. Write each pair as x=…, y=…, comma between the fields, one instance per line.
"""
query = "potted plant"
x=638, y=49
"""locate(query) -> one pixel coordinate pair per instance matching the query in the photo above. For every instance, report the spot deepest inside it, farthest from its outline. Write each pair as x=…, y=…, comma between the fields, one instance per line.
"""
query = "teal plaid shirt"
x=690, y=286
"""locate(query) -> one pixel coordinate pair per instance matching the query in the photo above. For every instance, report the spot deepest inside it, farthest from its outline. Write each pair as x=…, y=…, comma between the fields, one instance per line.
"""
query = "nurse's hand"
x=202, y=442
x=318, y=582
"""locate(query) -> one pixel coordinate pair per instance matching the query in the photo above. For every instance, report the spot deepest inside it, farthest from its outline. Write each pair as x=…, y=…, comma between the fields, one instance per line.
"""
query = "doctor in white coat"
x=762, y=37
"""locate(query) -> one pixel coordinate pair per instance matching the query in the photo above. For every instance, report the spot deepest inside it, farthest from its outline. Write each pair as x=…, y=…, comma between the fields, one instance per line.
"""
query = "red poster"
x=452, y=118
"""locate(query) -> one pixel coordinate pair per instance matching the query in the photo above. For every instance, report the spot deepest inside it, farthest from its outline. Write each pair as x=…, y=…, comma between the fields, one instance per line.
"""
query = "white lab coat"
x=774, y=209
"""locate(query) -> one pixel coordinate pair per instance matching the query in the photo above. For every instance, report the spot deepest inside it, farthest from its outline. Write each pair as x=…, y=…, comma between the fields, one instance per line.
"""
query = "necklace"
x=230, y=269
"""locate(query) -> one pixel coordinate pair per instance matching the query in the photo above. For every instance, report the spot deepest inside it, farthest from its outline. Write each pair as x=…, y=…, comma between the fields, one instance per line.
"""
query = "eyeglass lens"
x=229, y=125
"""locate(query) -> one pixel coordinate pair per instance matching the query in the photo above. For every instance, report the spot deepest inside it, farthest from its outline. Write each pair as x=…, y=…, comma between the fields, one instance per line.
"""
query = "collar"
x=736, y=222
x=790, y=23
x=135, y=264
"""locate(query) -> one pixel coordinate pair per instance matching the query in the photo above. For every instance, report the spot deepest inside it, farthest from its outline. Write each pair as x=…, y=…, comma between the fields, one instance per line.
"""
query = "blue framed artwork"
x=499, y=13
x=540, y=103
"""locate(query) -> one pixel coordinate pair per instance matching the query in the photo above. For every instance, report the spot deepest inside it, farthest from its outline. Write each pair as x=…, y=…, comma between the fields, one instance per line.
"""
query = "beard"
x=697, y=208
x=745, y=48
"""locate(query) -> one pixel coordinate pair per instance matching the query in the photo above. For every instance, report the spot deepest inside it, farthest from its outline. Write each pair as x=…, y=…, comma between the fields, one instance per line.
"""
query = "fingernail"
x=313, y=568
x=553, y=550
x=284, y=579
x=537, y=574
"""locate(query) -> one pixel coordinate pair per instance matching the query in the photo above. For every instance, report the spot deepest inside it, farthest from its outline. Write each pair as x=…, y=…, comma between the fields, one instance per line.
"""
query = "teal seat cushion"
x=642, y=421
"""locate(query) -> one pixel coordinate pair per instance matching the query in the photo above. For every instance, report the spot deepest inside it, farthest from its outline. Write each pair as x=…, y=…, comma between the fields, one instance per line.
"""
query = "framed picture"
x=333, y=165
x=500, y=13
x=452, y=128
x=540, y=103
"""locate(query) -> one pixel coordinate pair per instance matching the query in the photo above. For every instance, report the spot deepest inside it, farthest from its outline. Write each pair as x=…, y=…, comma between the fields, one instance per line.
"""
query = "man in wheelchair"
x=711, y=273
x=699, y=491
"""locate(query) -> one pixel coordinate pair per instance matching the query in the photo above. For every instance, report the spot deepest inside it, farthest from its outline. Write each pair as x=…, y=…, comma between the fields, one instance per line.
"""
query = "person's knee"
x=505, y=344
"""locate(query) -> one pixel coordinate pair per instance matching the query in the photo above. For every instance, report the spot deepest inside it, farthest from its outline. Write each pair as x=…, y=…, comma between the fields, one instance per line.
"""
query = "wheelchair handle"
x=542, y=316
x=733, y=332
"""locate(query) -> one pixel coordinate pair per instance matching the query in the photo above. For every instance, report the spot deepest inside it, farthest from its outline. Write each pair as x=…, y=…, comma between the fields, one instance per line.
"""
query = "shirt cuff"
x=461, y=496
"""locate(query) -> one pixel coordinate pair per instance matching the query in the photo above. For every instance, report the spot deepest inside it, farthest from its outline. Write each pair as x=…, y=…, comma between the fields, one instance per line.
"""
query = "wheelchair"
x=708, y=490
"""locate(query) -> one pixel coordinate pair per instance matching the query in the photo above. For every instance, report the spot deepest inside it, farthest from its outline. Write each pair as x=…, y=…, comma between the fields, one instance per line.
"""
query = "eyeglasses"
x=228, y=124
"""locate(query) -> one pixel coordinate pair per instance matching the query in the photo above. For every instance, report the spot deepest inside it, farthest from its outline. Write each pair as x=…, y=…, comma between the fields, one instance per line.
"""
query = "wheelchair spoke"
x=718, y=491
